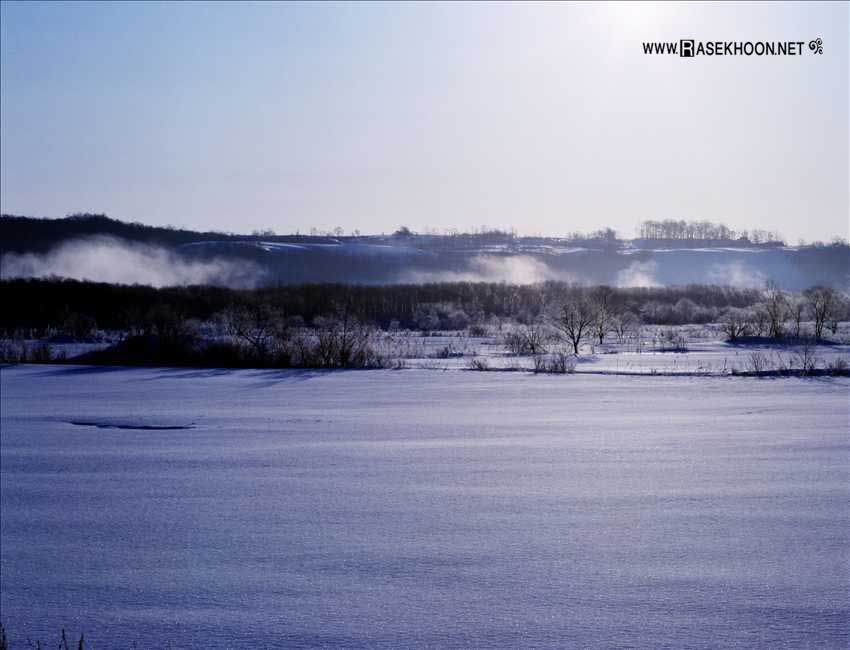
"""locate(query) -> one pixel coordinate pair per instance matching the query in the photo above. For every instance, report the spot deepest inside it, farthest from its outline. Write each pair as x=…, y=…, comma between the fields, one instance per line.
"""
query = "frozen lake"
x=263, y=509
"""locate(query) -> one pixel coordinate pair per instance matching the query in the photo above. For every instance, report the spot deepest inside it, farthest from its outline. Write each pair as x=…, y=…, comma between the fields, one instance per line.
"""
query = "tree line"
x=41, y=306
x=340, y=326
x=703, y=230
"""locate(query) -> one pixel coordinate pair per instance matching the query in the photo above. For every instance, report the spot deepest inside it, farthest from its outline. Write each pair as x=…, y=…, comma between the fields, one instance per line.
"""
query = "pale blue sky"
x=546, y=118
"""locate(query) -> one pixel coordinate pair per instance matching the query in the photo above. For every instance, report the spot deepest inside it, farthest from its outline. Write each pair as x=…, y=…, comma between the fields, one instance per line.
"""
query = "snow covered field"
x=263, y=508
x=706, y=353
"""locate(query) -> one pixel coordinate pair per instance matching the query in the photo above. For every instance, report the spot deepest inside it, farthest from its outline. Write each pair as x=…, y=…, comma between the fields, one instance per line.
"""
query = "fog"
x=103, y=258
x=107, y=259
x=516, y=269
x=639, y=274
x=736, y=274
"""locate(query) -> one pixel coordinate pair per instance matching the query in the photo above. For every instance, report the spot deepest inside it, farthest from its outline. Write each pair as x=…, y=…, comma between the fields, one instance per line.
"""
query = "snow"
x=713, y=249
x=334, y=246
x=275, y=246
x=420, y=508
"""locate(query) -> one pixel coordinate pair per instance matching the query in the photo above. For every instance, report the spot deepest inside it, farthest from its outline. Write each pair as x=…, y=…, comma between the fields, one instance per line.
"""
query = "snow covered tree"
x=776, y=306
x=821, y=302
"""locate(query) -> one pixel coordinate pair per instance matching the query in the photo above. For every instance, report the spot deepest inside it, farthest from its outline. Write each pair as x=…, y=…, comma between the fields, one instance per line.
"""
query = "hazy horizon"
x=629, y=233
x=544, y=118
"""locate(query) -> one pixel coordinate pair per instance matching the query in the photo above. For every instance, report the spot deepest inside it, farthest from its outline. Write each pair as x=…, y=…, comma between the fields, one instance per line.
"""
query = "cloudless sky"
x=544, y=117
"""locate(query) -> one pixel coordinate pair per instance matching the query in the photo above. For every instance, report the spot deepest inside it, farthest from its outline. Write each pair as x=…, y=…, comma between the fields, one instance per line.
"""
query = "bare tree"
x=797, y=308
x=536, y=337
x=528, y=339
x=80, y=326
x=343, y=340
x=574, y=318
x=623, y=324
x=834, y=320
x=256, y=324
x=758, y=320
x=822, y=302
x=602, y=303
x=166, y=322
x=735, y=323
x=806, y=358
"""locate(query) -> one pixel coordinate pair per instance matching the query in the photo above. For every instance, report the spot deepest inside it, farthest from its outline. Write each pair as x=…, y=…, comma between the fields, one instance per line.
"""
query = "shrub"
x=447, y=352
x=838, y=366
x=41, y=353
x=12, y=351
x=560, y=363
x=805, y=359
x=735, y=324
x=514, y=342
x=478, y=363
x=527, y=339
x=673, y=341
x=757, y=362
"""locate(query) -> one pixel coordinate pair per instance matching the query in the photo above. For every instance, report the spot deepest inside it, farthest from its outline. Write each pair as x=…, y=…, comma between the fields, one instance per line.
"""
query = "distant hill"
x=28, y=235
x=67, y=247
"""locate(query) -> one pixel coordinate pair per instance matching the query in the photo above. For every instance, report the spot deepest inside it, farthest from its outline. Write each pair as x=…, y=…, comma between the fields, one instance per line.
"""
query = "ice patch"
x=131, y=426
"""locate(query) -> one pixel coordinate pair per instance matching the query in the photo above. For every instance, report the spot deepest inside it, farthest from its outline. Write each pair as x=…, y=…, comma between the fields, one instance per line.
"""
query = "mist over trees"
x=96, y=247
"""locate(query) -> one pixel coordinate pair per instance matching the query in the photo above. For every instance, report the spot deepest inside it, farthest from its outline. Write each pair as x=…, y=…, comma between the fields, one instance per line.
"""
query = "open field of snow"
x=215, y=508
